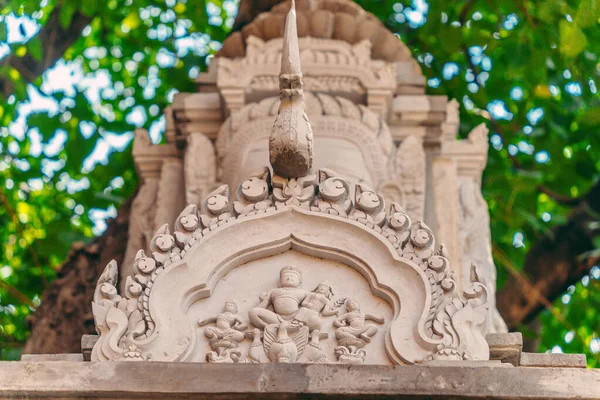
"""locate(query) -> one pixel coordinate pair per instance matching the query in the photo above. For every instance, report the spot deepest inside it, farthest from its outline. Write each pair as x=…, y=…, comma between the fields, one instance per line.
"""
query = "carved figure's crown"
x=290, y=268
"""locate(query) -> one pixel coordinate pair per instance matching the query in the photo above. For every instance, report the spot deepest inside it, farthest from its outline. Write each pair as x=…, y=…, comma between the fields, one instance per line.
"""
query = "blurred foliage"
x=527, y=69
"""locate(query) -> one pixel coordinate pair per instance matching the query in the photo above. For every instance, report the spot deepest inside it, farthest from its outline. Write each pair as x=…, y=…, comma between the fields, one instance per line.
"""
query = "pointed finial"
x=290, y=144
x=290, y=54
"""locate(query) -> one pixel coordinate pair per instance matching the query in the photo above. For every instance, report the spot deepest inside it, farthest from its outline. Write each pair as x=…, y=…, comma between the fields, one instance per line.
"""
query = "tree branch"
x=17, y=294
x=553, y=263
x=560, y=198
x=55, y=40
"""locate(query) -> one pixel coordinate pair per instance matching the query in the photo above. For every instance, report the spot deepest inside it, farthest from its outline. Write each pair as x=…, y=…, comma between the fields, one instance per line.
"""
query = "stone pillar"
x=170, y=199
x=148, y=161
x=445, y=218
x=200, y=168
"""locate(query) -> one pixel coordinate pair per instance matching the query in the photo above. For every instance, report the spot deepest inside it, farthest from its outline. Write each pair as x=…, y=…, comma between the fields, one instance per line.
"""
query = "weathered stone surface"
x=87, y=344
x=387, y=46
x=72, y=357
x=291, y=140
x=558, y=360
x=124, y=380
x=506, y=347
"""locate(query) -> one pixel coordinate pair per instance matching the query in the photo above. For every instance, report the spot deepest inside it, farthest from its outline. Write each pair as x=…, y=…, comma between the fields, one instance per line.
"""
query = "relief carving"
x=200, y=168
x=286, y=316
x=397, y=257
x=407, y=183
x=225, y=336
x=353, y=333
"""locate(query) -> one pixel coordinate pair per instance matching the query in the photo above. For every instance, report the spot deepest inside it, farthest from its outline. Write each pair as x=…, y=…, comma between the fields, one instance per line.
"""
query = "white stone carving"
x=410, y=246
x=226, y=335
x=341, y=233
x=337, y=124
x=410, y=167
x=291, y=140
x=476, y=242
x=171, y=192
x=329, y=66
x=200, y=168
x=353, y=333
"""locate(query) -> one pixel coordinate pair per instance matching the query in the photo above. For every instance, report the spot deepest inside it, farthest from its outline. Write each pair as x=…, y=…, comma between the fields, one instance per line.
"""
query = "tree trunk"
x=553, y=263
x=65, y=313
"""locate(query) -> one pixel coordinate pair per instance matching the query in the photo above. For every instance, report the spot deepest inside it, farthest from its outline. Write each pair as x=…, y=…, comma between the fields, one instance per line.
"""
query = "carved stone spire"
x=291, y=142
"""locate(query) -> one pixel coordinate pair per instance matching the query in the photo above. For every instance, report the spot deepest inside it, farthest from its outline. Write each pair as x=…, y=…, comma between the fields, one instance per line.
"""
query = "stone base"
x=145, y=380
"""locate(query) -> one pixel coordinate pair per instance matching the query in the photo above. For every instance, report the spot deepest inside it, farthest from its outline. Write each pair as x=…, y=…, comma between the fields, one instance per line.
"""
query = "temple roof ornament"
x=291, y=141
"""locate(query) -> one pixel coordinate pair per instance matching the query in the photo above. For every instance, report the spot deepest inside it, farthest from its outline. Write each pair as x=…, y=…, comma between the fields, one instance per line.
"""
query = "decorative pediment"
x=229, y=284
x=328, y=66
x=398, y=259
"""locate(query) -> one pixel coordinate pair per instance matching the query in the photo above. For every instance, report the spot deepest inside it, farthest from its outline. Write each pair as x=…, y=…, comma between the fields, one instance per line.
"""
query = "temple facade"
x=290, y=230
x=372, y=123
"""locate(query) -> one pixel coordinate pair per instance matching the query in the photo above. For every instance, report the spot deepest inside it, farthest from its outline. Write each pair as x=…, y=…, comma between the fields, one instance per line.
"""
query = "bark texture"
x=65, y=312
x=553, y=263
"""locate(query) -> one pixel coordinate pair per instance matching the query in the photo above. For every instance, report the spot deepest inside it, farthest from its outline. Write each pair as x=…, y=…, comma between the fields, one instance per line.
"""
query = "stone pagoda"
x=290, y=230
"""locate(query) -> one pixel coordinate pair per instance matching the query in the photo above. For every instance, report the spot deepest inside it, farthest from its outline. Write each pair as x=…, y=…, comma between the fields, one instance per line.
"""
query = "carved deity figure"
x=352, y=326
x=319, y=300
x=286, y=303
x=353, y=333
x=225, y=335
x=289, y=315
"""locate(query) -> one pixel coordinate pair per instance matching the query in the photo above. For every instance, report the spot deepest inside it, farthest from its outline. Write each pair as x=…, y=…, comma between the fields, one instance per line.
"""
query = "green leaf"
x=3, y=32
x=89, y=7
x=450, y=38
x=590, y=117
x=572, y=39
x=588, y=13
x=66, y=14
x=35, y=48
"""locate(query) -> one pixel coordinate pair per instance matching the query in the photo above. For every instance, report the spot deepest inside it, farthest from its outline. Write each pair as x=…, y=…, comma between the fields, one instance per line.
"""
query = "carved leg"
x=342, y=333
x=369, y=333
x=210, y=333
x=261, y=317
x=314, y=323
x=236, y=335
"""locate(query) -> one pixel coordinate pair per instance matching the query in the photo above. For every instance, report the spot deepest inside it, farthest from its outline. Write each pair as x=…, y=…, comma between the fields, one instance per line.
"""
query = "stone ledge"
x=558, y=360
x=506, y=347
x=132, y=380
x=74, y=357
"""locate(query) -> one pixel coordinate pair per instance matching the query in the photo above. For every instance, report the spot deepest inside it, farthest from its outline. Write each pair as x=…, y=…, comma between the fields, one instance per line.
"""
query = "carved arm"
x=265, y=300
x=207, y=321
x=341, y=321
x=376, y=318
x=239, y=325
x=328, y=311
